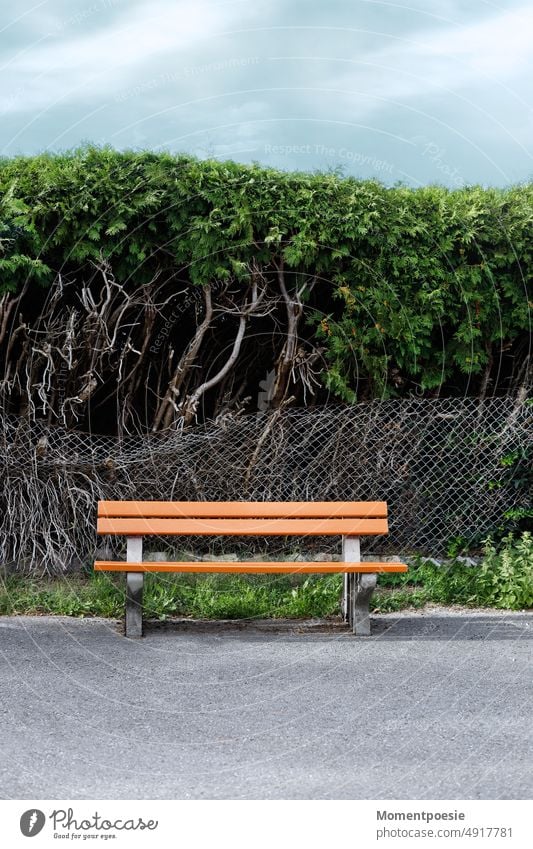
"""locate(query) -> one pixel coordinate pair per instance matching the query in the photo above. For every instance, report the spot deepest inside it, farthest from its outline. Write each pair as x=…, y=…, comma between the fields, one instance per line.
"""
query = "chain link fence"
x=438, y=463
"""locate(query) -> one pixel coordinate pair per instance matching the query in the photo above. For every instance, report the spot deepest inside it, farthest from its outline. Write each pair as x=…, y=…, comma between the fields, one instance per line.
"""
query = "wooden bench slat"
x=248, y=567
x=242, y=527
x=243, y=509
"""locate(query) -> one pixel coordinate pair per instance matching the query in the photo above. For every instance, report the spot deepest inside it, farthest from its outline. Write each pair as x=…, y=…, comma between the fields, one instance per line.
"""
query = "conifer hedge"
x=153, y=289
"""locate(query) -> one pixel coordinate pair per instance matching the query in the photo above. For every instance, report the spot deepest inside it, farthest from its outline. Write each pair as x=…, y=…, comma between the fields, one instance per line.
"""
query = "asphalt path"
x=435, y=705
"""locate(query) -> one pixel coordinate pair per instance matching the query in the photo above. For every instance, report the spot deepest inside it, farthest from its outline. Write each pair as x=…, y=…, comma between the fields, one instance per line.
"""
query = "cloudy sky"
x=427, y=91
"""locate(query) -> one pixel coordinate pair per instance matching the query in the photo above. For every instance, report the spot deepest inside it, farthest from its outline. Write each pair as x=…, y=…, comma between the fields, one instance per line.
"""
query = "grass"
x=503, y=580
x=209, y=596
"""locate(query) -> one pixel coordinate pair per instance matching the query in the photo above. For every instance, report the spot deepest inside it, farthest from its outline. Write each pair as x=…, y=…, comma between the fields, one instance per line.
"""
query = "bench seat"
x=292, y=567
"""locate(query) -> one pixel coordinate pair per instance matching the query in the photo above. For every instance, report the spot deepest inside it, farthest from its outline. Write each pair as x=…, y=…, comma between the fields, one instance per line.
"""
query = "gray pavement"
x=435, y=705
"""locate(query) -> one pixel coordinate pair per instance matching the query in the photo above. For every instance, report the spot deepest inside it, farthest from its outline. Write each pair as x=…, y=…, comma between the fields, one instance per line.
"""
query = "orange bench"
x=349, y=519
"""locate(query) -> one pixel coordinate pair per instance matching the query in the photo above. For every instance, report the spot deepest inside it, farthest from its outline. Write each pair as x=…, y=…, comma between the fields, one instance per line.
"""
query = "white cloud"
x=150, y=29
x=103, y=59
x=231, y=75
x=488, y=52
x=498, y=47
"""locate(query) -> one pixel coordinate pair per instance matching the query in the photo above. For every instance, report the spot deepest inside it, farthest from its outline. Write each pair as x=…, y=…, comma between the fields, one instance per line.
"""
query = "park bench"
x=349, y=519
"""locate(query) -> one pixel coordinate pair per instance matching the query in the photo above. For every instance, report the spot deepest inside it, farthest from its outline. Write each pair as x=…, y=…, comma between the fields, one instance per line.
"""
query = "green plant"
x=387, y=290
x=459, y=545
x=517, y=478
x=506, y=574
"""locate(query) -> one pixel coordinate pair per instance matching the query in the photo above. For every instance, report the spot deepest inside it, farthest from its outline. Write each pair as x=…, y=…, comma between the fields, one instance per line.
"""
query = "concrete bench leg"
x=349, y=590
x=134, y=604
x=351, y=553
x=134, y=589
x=364, y=587
x=345, y=604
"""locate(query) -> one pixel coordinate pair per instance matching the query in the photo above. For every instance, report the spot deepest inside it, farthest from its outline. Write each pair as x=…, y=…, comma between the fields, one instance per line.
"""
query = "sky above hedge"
x=436, y=91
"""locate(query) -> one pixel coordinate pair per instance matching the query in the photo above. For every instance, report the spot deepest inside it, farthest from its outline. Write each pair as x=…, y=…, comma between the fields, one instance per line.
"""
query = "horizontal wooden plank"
x=243, y=509
x=290, y=567
x=242, y=527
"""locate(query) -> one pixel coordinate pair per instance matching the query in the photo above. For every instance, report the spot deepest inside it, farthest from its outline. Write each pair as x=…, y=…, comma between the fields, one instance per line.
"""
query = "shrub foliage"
x=143, y=290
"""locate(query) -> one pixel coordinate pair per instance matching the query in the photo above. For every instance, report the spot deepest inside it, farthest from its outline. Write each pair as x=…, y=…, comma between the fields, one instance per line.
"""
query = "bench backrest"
x=253, y=518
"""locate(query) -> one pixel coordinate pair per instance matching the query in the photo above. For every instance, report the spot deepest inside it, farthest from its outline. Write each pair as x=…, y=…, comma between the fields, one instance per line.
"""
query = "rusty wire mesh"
x=438, y=464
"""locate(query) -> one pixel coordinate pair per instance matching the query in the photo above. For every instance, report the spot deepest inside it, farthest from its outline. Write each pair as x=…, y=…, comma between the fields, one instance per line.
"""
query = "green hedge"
x=415, y=288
